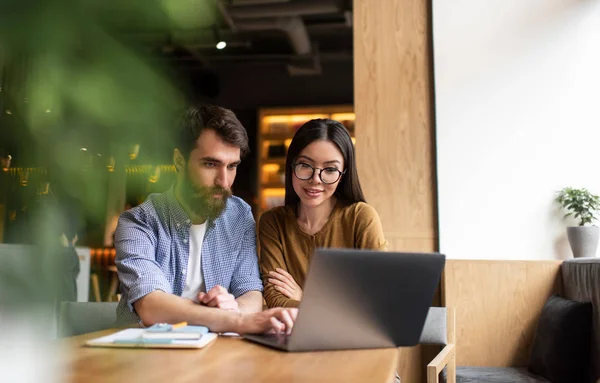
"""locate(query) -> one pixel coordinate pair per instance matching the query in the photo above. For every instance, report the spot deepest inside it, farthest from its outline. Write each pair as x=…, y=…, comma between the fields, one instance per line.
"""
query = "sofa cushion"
x=581, y=282
x=561, y=347
x=495, y=375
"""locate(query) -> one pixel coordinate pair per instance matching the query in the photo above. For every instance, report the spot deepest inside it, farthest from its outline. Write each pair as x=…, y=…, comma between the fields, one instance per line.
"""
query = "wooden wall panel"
x=412, y=244
x=498, y=304
x=394, y=124
x=394, y=130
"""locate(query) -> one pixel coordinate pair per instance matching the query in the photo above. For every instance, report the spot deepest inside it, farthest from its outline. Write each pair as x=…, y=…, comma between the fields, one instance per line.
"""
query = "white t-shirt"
x=194, y=282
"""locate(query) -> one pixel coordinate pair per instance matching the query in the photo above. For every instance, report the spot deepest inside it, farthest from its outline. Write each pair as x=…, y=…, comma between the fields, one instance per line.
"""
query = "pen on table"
x=178, y=325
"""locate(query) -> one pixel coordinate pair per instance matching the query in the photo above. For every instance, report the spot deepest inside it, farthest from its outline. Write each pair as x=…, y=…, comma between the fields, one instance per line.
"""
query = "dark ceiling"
x=66, y=81
x=299, y=34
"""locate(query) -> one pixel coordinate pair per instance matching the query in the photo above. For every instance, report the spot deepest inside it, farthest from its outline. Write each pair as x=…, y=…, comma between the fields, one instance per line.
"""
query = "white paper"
x=132, y=333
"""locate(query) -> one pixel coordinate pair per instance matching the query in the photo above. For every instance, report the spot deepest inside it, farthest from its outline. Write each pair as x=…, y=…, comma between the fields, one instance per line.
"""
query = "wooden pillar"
x=395, y=130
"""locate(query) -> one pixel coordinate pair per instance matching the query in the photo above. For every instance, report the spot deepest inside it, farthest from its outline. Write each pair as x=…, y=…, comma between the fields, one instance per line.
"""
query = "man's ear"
x=178, y=160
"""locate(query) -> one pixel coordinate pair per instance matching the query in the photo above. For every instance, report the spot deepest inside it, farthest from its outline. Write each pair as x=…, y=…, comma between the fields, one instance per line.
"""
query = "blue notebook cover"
x=201, y=329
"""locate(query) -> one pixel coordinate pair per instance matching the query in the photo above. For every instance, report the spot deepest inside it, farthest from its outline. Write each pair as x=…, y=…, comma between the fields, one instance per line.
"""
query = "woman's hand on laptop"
x=285, y=284
x=278, y=320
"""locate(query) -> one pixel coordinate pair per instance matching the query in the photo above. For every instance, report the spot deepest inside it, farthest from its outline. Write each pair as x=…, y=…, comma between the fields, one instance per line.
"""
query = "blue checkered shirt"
x=152, y=246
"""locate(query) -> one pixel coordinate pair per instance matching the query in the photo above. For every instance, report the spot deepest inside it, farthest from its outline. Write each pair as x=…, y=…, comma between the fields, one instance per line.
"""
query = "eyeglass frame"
x=341, y=173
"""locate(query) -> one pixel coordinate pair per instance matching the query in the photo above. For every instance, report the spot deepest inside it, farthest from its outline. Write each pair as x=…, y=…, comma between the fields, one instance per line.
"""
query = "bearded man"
x=189, y=254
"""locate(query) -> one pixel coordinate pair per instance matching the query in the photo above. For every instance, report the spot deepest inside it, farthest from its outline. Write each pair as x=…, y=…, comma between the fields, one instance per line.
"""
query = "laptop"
x=360, y=299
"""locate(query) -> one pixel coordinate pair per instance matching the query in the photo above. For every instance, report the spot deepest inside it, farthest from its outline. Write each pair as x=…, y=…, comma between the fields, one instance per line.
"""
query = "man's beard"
x=201, y=200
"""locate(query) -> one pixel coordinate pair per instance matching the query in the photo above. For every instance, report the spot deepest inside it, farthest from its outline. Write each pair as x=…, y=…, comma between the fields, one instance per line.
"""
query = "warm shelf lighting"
x=111, y=164
x=343, y=116
x=274, y=192
x=134, y=151
x=271, y=168
x=293, y=118
x=153, y=178
x=306, y=117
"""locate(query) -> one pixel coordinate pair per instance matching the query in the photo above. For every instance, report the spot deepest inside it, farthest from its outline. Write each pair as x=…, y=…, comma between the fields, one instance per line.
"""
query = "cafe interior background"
x=88, y=91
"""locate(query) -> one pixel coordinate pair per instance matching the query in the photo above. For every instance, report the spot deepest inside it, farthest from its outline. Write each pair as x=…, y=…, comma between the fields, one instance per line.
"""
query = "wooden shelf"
x=277, y=137
x=272, y=185
x=283, y=137
x=276, y=161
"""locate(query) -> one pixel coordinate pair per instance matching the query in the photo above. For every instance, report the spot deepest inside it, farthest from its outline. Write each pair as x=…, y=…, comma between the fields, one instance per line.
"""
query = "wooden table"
x=225, y=360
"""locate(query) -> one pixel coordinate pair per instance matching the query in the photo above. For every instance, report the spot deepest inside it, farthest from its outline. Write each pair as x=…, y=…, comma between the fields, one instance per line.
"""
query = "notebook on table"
x=155, y=337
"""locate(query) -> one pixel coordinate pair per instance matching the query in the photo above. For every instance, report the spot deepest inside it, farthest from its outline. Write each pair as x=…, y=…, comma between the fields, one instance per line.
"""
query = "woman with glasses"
x=324, y=207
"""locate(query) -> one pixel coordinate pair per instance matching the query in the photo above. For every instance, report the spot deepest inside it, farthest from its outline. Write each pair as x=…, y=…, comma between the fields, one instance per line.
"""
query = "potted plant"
x=583, y=206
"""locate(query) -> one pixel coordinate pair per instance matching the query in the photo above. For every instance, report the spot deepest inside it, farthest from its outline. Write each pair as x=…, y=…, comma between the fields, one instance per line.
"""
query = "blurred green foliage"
x=70, y=81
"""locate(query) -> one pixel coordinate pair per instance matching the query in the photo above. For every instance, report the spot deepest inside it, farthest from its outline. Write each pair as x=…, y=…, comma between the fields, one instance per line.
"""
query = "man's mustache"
x=209, y=191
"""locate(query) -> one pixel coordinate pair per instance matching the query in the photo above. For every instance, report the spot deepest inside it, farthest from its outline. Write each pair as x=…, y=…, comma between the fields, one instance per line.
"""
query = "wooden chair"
x=112, y=294
x=439, y=329
x=95, y=287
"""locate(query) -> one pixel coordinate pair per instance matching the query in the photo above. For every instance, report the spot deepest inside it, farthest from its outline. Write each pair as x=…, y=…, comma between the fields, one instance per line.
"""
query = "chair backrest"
x=77, y=318
x=439, y=326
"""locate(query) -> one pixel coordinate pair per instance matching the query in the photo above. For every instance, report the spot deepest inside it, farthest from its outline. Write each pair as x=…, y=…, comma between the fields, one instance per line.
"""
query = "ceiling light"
x=220, y=43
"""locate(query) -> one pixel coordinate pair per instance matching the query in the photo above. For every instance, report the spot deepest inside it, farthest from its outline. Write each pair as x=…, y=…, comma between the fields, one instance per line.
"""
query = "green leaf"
x=580, y=204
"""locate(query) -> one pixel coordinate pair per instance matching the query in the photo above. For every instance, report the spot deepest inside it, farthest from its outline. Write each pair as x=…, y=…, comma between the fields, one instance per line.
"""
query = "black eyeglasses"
x=305, y=172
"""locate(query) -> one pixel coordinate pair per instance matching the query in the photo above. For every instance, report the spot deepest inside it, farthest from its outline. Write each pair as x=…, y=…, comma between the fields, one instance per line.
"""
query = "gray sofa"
x=580, y=282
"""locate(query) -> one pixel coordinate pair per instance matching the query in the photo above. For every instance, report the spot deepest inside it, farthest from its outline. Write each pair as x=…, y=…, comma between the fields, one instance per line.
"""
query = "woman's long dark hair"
x=348, y=189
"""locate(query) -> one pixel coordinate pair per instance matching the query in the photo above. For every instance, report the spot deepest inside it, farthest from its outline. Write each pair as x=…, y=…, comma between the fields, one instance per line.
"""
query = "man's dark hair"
x=223, y=121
